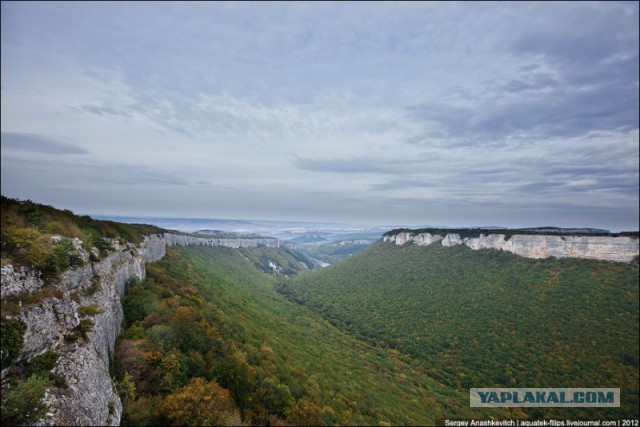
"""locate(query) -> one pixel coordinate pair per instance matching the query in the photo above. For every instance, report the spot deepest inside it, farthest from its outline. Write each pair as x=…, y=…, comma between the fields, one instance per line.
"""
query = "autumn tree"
x=201, y=402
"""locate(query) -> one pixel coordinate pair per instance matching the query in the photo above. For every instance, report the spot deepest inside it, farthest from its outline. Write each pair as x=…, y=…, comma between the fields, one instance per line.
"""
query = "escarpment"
x=614, y=248
x=183, y=240
x=79, y=315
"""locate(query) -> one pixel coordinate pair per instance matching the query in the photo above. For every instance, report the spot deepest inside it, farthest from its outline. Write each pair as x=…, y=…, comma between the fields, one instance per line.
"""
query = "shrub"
x=22, y=404
x=12, y=341
x=43, y=363
x=26, y=246
x=90, y=310
x=103, y=245
x=84, y=327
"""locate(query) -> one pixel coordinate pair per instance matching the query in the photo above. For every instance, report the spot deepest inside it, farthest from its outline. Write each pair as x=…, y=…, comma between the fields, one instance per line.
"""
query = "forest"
x=208, y=325
x=488, y=318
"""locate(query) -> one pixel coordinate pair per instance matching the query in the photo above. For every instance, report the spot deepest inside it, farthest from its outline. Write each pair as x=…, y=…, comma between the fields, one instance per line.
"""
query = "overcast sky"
x=511, y=114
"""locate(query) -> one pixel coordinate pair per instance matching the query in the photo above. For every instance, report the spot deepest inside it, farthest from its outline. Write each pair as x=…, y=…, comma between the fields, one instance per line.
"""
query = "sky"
x=512, y=114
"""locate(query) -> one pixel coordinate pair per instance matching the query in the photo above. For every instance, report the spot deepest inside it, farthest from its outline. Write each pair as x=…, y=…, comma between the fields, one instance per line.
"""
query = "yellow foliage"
x=27, y=246
x=201, y=403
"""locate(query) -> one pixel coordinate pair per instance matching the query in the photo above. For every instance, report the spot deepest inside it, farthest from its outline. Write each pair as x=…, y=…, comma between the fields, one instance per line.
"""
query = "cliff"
x=182, y=240
x=619, y=248
x=54, y=312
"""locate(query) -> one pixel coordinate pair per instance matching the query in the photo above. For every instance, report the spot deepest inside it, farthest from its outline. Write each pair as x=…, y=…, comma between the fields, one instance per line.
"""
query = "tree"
x=201, y=403
x=12, y=339
x=305, y=413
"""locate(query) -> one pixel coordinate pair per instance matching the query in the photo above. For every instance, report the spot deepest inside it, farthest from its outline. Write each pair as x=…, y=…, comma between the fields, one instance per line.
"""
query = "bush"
x=22, y=404
x=12, y=341
x=43, y=363
x=59, y=259
x=90, y=310
x=26, y=246
x=103, y=245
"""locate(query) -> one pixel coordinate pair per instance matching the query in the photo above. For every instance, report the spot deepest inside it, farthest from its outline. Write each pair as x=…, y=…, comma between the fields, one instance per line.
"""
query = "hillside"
x=210, y=314
x=63, y=278
x=485, y=318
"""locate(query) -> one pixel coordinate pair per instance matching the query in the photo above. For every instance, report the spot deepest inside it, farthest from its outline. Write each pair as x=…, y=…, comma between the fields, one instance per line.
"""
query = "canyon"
x=52, y=311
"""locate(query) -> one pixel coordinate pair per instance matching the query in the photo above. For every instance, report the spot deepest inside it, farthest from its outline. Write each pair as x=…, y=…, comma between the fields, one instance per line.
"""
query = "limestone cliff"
x=183, y=240
x=52, y=313
x=621, y=248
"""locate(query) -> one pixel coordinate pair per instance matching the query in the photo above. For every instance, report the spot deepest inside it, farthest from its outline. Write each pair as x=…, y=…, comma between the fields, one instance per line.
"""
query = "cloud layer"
x=516, y=114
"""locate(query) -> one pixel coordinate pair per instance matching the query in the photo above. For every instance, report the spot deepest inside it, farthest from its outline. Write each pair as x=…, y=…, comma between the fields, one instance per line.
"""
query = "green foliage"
x=127, y=388
x=207, y=313
x=60, y=258
x=22, y=403
x=26, y=246
x=42, y=364
x=12, y=340
x=332, y=253
x=90, y=310
x=84, y=327
x=489, y=318
x=103, y=245
x=27, y=227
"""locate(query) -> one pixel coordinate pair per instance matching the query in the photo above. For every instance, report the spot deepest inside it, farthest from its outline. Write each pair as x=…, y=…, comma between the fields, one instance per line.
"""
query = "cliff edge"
x=76, y=319
x=607, y=248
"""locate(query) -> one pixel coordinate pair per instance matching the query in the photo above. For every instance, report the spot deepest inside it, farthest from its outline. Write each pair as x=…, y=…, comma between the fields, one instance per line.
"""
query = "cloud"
x=346, y=166
x=46, y=173
x=104, y=110
x=31, y=142
x=328, y=108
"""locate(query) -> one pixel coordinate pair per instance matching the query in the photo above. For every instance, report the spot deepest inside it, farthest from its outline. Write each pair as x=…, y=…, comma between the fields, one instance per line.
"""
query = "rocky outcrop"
x=19, y=279
x=620, y=249
x=52, y=315
x=183, y=240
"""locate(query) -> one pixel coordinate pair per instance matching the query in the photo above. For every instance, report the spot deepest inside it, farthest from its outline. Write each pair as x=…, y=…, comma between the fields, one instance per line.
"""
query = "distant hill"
x=486, y=318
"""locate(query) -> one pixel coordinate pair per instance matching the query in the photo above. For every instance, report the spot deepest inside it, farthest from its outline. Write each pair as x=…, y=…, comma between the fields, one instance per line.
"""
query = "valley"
x=127, y=324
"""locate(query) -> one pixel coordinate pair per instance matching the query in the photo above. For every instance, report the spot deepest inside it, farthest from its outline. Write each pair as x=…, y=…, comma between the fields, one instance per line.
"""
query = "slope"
x=208, y=313
x=488, y=318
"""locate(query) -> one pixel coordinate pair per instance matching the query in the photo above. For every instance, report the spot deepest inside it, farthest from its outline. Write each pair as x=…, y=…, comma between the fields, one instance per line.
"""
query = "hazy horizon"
x=517, y=114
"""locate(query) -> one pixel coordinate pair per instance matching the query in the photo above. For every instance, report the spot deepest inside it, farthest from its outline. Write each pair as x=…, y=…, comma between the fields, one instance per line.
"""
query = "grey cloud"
x=104, y=110
x=71, y=174
x=349, y=166
x=579, y=34
x=565, y=112
x=38, y=143
x=403, y=183
x=577, y=73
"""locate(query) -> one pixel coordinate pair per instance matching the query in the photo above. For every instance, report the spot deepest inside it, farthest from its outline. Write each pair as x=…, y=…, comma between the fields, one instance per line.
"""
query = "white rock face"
x=620, y=249
x=91, y=398
x=20, y=279
x=451, y=240
x=181, y=240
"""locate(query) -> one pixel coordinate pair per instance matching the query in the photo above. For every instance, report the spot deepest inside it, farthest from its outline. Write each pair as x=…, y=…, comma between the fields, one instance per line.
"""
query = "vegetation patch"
x=207, y=322
x=488, y=318
x=12, y=339
x=27, y=229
